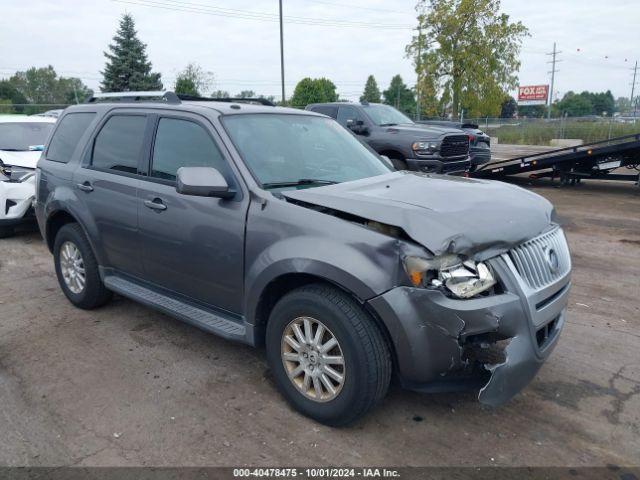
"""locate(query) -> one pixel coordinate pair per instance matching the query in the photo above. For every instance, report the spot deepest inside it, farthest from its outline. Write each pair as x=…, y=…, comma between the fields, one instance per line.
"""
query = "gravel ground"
x=125, y=385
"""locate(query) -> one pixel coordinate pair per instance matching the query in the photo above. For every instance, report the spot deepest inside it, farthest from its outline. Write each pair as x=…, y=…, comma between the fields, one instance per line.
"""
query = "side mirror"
x=202, y=182
x=357, y=126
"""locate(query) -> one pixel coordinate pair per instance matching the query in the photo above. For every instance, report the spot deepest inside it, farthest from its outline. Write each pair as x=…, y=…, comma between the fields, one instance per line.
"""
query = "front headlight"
x=424, y=148
x=10, y=173
x=462, y=278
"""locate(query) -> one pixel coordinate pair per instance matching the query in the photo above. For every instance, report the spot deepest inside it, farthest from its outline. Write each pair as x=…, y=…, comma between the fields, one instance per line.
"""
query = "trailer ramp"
x=593, y=161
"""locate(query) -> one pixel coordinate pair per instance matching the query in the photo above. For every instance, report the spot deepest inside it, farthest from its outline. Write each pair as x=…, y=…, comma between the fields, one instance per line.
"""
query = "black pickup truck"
x=409, y=145
x=479, y=142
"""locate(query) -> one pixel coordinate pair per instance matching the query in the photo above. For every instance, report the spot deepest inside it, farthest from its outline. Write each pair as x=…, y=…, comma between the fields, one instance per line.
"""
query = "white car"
x=22, y=140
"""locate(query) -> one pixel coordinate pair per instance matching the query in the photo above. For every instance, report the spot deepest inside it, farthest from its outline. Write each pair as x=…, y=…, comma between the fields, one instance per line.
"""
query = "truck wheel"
x=328, y=357
x=399, y=164
x=77, y=269
x=6, y=232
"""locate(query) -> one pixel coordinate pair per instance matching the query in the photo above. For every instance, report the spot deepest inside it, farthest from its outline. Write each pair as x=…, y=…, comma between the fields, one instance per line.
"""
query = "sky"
x=345, y=40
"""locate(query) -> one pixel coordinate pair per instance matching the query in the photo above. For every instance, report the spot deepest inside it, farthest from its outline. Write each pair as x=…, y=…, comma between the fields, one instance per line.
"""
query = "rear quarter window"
x=329, y=110
x=66, y=137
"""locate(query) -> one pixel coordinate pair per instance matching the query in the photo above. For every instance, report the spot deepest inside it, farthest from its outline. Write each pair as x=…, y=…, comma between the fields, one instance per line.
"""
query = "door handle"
x=85, y=187
x=155, y=204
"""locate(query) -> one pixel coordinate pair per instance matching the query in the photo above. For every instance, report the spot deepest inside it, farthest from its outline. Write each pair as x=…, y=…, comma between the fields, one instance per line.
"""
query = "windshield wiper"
x=13, y=150
x=301, y=181
x=387, y=124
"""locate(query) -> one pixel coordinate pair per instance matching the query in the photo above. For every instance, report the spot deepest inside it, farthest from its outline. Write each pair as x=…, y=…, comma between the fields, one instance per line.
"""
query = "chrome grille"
x=454, y=146
x=542, y=260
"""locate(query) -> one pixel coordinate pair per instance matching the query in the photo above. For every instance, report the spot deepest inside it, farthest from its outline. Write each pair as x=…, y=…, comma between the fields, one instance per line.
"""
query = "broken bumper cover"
x=435, y=336
x=16, y=199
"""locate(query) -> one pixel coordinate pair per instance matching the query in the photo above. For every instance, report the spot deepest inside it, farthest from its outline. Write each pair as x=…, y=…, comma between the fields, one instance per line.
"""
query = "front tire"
x=77, y=269
x=329, y=358
x=6, y=232
x=399, y=163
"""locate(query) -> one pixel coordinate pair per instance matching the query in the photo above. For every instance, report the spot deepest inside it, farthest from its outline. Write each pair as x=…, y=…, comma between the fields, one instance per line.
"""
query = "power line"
x=179, y=6
x=358, y=7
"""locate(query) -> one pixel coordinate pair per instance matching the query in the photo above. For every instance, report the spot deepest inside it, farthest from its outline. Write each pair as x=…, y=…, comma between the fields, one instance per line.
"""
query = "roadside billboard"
x=533, y=94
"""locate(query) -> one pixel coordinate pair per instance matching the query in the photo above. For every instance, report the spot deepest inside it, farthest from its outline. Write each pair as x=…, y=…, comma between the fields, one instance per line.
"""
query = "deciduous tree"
x=193, y=80
x=467, y=53
x=43, y=86
x=508, y=108
x=313, y=90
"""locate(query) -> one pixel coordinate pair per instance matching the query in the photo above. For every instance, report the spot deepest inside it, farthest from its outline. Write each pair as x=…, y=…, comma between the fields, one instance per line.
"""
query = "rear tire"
x=366, y=362
x=77, y=269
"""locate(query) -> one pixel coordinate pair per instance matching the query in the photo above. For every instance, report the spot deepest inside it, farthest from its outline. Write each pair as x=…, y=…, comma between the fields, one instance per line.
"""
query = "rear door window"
x=118, y=146
x=66, y=137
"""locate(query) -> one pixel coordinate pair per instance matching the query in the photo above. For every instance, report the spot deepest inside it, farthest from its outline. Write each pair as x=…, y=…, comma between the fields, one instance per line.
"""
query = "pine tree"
x=127, y=67
x=371, y=92
x=400, y=96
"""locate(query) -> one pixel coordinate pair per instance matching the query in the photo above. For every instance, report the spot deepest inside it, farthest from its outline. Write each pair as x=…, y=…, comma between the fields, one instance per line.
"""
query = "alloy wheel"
x=313, y=359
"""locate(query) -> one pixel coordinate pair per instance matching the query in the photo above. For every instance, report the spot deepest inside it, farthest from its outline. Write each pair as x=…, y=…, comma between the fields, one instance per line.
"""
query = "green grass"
x=541, y=132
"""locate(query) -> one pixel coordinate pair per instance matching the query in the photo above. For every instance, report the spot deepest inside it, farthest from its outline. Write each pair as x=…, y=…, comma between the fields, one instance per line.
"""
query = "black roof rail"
x=168, y=97
x=261, y=101
x=163, y=96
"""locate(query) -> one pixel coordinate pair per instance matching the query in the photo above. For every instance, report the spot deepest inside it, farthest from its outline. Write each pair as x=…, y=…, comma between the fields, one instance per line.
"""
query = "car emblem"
x=552, y=259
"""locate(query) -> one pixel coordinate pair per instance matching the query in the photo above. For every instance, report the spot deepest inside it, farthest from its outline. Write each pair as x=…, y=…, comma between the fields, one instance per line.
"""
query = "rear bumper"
x=491, y=343
x=438, y=165
x=16, y=202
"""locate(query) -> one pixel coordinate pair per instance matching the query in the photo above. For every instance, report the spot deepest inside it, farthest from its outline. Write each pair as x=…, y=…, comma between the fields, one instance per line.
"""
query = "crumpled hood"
x=480, y=218
x=20, y=159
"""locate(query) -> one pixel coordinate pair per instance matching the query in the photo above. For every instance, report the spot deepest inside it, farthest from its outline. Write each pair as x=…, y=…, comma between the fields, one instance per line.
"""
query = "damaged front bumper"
x=16, y=199
x=495, y=343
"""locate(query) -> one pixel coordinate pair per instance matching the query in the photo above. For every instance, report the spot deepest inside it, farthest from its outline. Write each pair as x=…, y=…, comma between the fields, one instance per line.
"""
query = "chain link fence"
x=519, y=131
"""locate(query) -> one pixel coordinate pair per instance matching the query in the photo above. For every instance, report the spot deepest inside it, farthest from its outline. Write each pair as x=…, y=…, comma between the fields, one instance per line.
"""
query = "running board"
x=204, y=319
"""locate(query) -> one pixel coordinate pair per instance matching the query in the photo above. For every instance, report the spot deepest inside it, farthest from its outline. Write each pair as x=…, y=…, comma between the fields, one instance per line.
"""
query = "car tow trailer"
x=593, y=161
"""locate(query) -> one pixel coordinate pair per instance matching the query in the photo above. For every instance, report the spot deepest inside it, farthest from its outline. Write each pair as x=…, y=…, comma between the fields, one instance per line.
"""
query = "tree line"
x=465, y=54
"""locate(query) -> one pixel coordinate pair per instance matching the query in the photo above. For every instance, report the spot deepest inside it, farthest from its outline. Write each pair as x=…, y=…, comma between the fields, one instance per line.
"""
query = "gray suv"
x=275, y=227
x=409, y=145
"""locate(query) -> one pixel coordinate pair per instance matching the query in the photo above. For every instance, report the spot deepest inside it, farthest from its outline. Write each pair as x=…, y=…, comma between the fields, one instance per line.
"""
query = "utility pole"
x=282, y=53
x=633, y=90
x=419, y=68
x=398, y=97
x=553, y=72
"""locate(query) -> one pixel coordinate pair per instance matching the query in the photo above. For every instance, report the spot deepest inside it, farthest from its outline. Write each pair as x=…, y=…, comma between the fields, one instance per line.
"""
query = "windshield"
x=385, y=115
x=20, y=136
x=303, y=149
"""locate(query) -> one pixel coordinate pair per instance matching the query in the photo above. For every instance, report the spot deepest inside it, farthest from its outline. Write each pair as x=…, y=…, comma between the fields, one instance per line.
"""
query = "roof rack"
x=260, y=101
x=168, y=97
x=164, y=96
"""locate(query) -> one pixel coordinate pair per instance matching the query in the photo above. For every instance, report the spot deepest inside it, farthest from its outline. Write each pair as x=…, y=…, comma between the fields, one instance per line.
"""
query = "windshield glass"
x=283, y=148
x=385, y=115
x=22, y=135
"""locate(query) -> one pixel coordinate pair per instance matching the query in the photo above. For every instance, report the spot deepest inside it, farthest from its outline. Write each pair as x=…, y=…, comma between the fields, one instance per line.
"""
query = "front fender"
x=365, y=272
